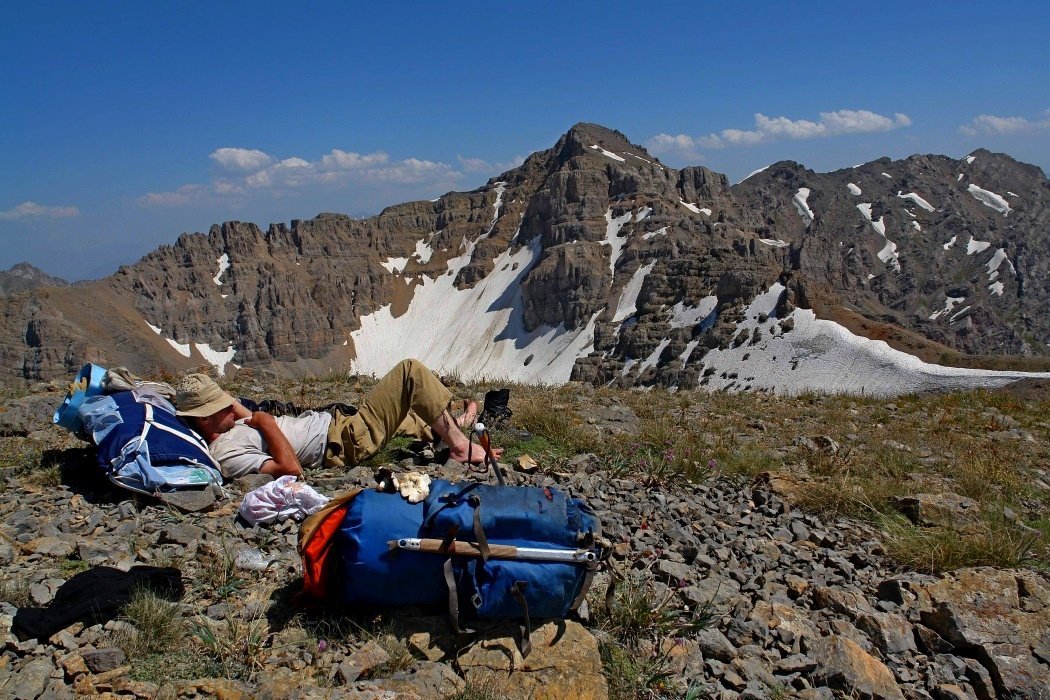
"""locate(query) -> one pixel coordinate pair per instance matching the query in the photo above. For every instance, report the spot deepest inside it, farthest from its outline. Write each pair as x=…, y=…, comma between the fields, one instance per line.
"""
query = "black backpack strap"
x=479, y=531
x=453, y=599
x=526, y=628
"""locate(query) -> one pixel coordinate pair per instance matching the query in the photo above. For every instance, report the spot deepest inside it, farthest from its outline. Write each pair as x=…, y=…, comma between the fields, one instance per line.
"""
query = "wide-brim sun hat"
x=199, y=396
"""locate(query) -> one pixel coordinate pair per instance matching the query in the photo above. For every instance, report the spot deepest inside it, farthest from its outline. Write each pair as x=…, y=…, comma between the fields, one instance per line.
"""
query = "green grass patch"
x=993, y=542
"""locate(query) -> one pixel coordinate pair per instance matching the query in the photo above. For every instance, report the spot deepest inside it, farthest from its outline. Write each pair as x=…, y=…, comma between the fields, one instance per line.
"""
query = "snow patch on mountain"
x=658, y=232
x=478, y=332
x=627, y=305
x=950, y=243
x=853, y=189
x=975, y=246
x=949, y=304
x=996, y=261
x=181, y=348
x=823, y=356
x=911, y=196
x=654, y=356
x=888, y=254
x=775, y=242
x=394, y=265
x=989, y=199
x=610, y=154
x=224, y=264
x=612, y=236
x=688, y=352
x=423, y=251
x=695, y=209
x=216, y=358
x=802, y=205
x=683, y=316
x=755, y=172
x=155, y=329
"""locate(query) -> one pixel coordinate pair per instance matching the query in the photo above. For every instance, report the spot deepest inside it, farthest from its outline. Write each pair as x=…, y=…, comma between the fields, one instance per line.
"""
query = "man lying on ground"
x=408, y=401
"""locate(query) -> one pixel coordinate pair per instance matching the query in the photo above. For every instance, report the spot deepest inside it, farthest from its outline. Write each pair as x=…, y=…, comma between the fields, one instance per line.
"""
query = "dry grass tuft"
x=157, y=626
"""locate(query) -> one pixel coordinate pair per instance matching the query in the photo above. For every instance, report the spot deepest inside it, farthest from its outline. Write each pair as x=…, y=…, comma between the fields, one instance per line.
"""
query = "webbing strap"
x=588, y=578
x=453, y=597
x=526, y=628
x=449, y=538
x=479, y=531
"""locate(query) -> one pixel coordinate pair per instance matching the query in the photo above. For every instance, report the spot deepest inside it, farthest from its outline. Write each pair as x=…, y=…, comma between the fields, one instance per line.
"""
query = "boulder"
x=845, y=666
x=939, y=509
x=997, y=617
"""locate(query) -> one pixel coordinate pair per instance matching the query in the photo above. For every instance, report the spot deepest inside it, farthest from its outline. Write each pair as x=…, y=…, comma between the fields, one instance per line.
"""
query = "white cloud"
x=843, y=121
x=187, y=194
x=244, y=159
x=479, y=165
x=252, y=171
x=681, y=145
x=413, y=170
x=343, y=160
x=28, y=210
x=473, y=165
x=991, y=124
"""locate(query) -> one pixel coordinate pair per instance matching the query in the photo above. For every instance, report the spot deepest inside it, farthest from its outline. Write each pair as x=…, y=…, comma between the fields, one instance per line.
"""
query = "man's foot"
x=469, y=415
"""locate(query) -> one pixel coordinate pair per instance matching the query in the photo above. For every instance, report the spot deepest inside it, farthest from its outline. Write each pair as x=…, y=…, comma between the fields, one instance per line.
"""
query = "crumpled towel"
x=281, y=499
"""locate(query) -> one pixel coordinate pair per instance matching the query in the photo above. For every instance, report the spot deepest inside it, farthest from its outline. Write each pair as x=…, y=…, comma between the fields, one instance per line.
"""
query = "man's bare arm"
x=284, y=459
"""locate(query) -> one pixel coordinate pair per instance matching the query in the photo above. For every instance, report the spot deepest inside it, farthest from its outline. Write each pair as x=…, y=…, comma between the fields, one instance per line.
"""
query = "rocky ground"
x=729, y=590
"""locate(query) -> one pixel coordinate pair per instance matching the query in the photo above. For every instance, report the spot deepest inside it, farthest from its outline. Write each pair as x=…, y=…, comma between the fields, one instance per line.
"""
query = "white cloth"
x=242, y=450
x=280, y=499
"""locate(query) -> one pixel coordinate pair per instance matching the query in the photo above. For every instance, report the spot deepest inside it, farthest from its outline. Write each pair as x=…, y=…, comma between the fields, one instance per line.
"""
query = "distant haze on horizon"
x=126, y=125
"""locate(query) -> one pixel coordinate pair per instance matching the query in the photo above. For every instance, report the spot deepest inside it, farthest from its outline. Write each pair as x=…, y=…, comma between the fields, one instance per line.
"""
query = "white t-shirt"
x=242, y=450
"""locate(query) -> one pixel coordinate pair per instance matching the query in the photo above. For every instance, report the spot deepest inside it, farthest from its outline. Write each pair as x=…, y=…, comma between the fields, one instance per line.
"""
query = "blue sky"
x=125, y=124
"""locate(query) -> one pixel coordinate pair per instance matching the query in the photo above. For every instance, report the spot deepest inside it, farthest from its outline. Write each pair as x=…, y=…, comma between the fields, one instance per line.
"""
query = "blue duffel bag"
x=485, y=551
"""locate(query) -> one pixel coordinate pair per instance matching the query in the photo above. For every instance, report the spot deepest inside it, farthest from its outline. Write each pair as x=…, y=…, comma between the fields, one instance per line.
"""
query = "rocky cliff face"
x=591, y=261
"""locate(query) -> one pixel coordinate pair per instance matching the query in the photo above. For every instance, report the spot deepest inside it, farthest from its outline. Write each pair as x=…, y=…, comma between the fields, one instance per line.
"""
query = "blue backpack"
x=143, y=446
x=490, y=551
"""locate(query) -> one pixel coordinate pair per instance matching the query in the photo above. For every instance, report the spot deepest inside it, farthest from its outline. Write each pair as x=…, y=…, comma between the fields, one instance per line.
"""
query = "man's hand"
x=284, y=459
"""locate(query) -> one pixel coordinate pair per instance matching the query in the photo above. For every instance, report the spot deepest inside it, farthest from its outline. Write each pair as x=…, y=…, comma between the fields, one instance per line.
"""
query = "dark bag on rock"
x=485, y=551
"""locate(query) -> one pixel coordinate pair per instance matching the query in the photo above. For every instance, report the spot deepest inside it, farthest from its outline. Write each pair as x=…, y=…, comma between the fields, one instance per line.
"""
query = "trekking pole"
x=490, y=459
x=496, y=551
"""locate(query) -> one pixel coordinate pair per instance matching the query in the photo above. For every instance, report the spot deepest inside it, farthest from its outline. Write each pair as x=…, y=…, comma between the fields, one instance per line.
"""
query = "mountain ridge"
x=603, y=241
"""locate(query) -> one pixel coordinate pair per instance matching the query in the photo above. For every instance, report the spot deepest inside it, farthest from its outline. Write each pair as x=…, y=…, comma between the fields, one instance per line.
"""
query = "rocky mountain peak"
x=23, y=277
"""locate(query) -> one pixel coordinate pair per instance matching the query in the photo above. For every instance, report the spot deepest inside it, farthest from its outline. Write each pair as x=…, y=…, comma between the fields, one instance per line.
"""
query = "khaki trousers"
x=407, y=401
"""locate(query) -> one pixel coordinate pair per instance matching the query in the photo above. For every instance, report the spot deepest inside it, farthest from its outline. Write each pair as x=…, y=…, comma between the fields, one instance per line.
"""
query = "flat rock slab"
x=564, y=665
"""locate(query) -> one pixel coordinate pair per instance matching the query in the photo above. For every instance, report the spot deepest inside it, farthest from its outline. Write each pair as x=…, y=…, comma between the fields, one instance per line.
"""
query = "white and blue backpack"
x=142, y=444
